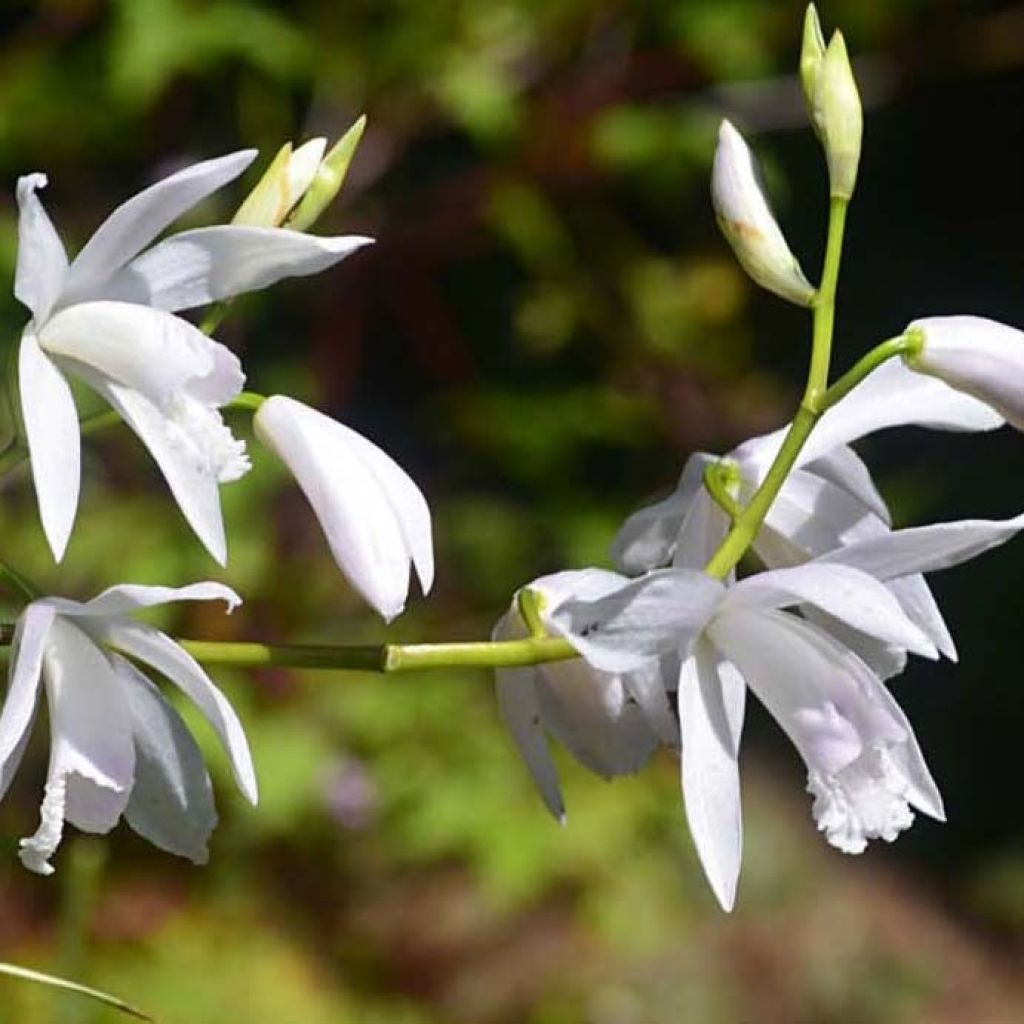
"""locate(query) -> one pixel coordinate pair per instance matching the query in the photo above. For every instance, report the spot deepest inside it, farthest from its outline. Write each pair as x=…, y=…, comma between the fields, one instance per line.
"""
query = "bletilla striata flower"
x=107, y=318
x=610, y=722
x=116, y=745
x=864, y=767
x=375, y=518
x=828, y=501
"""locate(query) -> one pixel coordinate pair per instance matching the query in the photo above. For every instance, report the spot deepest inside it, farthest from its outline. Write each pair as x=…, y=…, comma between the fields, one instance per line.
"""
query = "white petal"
x=920, y=607
x=655, y=614
x=584, y=584
x=747, y=222
x=590, y=714
x=885, y=660
x=646, y=686
x=373, y=525
x=710, y=730
x=26, y=661
x=135, y=223
x=844, y=467
x=128, y=597
x=704, y=528
x=205, y=265
x=171, y=803
x=54, y=444
x=194, y=486
x=92, y=757
x=978, y=356
x=141, y=348
x=892, y=396
x=520, y=711
x=161, y=653
x=647, y=539
x=851, y=596
x=922, y=549
x=42, y=262
x=864, y=765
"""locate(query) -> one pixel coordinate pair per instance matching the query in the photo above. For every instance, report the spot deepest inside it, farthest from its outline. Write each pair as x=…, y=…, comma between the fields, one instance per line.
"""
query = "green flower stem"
x=718, y=478
x=529, y=603
x=901, y=345
x=50, y=980
x=748, y=522
x=21, y=584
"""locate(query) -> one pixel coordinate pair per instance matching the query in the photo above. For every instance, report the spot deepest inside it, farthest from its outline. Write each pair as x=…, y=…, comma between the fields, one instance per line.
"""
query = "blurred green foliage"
x=546, y=327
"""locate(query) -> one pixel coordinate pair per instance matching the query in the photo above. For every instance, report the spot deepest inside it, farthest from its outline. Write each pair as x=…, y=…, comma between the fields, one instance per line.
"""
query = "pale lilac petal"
x=54, y=443
x=42, y=262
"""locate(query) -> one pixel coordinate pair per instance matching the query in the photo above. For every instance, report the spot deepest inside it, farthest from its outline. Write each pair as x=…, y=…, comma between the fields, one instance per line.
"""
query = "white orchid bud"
x=833, y=102
x=747, y=222
x=978, y=356
x=283, y=184
x=330, y=175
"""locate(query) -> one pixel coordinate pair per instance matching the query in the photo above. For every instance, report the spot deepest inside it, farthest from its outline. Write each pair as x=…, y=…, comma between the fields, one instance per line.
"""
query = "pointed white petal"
x=710, y=774
x=92, y=758
x=193, y=485
x=864, y=765
x=160, y=652
x=657, y=613
x=26, y=661
x=885, y=660
x=51, y=427
x=647, y=539
x=171, y=803
x=128, y=597
x=922, y=549
x=584, y=584
x=646, y=686
x=197, y=267
x=892, y=396
x=980, y=357
x=135, y=223
x=520, y=711
x=844, y=467
x=920, y=607
x=853, y=597
x=42, y=262
x=704, y=528
x=747, y=222
x=373, y=527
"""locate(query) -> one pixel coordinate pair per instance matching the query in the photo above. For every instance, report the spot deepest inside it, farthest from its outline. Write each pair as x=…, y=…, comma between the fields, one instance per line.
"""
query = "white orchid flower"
x=748, y=224
x=107, y=318
x=865, y=769
x=610, y=722
x=283, y=184
x=828, y=501
x=116, y=745
x=980, y=357
x=375, y=518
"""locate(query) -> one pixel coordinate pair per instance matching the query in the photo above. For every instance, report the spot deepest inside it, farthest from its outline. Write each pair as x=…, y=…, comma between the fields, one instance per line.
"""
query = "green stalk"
x=748, y=522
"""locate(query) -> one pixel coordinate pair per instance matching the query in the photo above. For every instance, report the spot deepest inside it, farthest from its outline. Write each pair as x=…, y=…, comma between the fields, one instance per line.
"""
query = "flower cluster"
x=669, y=645
x=110, y=319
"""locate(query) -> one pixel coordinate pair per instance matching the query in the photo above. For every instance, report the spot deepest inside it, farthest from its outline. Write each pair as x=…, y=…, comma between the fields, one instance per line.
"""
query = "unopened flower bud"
x=812, y=52
x=283, y=184
x=328, y=179
x=747, y=222
x=980, y=357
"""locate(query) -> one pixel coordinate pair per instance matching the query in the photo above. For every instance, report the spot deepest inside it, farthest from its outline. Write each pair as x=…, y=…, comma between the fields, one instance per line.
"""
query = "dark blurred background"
x=548, y=325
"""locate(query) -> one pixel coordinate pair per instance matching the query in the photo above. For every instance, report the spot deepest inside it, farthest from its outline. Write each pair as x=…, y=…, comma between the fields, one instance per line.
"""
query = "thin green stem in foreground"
x=39, y=978
x=901, y=345
x=748, y=522
x=719, y=478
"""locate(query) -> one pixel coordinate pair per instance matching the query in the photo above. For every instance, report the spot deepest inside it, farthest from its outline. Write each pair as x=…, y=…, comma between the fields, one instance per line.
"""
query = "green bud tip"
x=329, y=178
x=812, y=52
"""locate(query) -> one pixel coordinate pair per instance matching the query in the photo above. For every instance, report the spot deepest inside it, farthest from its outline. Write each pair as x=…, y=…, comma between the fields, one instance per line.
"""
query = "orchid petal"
x=171, y=802
x=845, y=468
x=702, y=532
x=657, y=613
x=161, y=653
x=128, y=597
x=26, y=662
x=710, y=728
x=921, y=549
x=194, y=268
x=42, y=262
x=92, y=758
x=646, y=685
x=920, y=607
x=54, y=443
x=851, y=596
x=135, y=223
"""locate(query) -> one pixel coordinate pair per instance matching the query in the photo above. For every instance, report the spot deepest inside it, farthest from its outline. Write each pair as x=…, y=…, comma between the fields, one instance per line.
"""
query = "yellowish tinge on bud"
x=747, y=221
x=283, y=184
x=330, y=176
x=833, y=102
